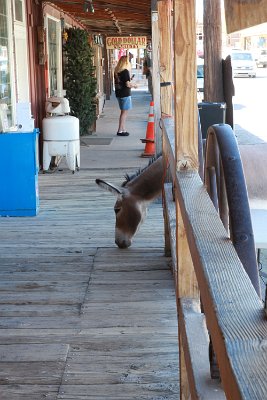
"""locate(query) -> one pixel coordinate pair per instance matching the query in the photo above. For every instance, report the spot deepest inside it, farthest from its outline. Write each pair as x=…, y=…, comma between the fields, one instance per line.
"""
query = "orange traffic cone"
x=151, y=108
x=150, y=134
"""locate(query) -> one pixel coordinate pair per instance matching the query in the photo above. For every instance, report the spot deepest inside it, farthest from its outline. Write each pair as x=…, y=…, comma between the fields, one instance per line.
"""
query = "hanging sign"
x=126, y=42
x=98, y=40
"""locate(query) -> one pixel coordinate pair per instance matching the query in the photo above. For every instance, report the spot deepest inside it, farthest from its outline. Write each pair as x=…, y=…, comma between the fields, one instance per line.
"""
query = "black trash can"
x=210, y=114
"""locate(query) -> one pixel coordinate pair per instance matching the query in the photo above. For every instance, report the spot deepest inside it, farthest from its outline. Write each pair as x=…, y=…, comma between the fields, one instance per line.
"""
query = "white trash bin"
x=61, y=138
x=61, y=134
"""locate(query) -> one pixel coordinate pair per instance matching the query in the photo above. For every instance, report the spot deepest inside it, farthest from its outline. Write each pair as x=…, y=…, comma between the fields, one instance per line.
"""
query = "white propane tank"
x=61, y=134
x=61, y=128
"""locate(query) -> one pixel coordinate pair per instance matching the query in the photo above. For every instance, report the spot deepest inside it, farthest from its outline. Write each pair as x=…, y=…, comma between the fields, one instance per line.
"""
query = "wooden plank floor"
x=79, y=318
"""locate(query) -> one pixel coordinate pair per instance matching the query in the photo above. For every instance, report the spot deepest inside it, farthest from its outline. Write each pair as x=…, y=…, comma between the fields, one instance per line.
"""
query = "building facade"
x=31, y=59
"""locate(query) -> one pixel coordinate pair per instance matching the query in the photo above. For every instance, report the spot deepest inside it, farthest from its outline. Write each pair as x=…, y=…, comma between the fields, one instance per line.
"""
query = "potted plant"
x=79, y=78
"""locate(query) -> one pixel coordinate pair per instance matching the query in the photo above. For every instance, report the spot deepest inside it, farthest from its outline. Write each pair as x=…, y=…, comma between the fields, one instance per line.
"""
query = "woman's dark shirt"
x=121, y=90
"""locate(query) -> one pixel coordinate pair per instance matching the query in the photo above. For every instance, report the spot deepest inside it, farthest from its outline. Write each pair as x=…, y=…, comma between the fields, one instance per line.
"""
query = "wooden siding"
x=81, y=319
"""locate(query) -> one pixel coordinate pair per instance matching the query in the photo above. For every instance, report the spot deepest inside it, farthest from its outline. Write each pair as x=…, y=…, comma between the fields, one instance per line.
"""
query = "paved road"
x=250, y=104
x=250, y=118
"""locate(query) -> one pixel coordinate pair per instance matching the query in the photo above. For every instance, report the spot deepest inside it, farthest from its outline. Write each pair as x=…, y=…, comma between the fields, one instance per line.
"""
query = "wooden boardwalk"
x=79, y=318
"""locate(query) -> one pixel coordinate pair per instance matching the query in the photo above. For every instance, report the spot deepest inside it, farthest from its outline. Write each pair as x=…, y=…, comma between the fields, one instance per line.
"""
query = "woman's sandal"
x=123, y=133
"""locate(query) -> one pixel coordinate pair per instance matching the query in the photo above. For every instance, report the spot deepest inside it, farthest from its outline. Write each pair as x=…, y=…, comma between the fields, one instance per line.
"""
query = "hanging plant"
x=79, y=78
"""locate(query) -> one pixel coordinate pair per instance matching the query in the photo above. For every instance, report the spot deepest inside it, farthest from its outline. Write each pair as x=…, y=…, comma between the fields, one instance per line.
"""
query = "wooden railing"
x=205, y=262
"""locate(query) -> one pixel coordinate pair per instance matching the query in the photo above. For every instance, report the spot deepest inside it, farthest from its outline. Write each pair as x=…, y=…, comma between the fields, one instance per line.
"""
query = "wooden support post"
x=185, y=93
x=156, y=81
x=218, y=82
x=213, y=80
x=138, y=61
x=186, y=145
x=166, y=58
x=107, y=82
x=184, y=384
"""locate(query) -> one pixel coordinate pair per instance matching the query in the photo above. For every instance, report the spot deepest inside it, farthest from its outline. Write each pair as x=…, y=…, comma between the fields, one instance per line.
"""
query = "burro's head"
x=130, y=212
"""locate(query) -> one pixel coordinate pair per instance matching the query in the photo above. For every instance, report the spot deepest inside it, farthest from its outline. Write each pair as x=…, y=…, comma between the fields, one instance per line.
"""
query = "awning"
x=241, y=14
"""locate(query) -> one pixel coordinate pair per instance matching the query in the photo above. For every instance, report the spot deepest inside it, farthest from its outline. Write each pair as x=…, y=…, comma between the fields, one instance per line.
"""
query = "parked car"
x=200, y=75
x=200, y=79
x=243, y=63
x=262, y=58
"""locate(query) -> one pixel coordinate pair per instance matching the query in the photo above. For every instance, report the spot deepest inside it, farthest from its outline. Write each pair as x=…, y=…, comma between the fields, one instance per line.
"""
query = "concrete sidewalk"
x=104, y=149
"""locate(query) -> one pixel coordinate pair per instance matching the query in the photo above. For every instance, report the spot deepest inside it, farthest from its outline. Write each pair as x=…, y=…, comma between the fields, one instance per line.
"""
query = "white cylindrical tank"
x=61, y=128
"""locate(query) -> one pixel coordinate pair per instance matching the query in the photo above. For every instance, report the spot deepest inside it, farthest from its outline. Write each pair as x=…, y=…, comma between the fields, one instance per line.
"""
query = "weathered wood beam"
x=186, y=130
x=185, y=92
x=213, y=78
x=186, y=146
x=156, y=78
x=166, y=57
x=195, y=337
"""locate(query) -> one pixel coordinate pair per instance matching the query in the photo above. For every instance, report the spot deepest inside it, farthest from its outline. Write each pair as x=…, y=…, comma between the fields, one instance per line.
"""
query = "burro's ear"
x=108, y=186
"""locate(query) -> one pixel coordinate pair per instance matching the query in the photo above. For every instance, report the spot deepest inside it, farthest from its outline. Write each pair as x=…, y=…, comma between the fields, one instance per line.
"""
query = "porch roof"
x=126, y=17
x=112, y=17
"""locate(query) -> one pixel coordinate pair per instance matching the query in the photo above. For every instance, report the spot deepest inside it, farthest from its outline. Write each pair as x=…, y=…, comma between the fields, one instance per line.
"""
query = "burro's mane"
x=129, y=178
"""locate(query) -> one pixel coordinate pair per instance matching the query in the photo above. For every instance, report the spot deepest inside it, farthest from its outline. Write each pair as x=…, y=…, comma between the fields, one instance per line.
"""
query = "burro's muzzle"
x=122, y=241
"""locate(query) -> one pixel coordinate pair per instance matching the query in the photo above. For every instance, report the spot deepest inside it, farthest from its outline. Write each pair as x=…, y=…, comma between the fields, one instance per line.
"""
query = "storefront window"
x=5, y=85
x=18, y=10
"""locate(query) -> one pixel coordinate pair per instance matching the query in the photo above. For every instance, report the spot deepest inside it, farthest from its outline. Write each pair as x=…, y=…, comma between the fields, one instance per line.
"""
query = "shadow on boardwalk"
x=81, y=319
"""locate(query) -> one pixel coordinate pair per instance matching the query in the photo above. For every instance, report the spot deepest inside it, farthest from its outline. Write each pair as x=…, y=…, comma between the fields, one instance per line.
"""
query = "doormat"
x=94, y=140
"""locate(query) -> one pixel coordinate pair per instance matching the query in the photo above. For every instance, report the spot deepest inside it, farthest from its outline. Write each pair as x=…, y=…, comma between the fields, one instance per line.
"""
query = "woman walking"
x=123, y=87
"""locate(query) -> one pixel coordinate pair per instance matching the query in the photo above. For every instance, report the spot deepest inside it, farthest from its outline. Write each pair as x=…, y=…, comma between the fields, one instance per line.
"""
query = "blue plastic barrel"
x=19, y=166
